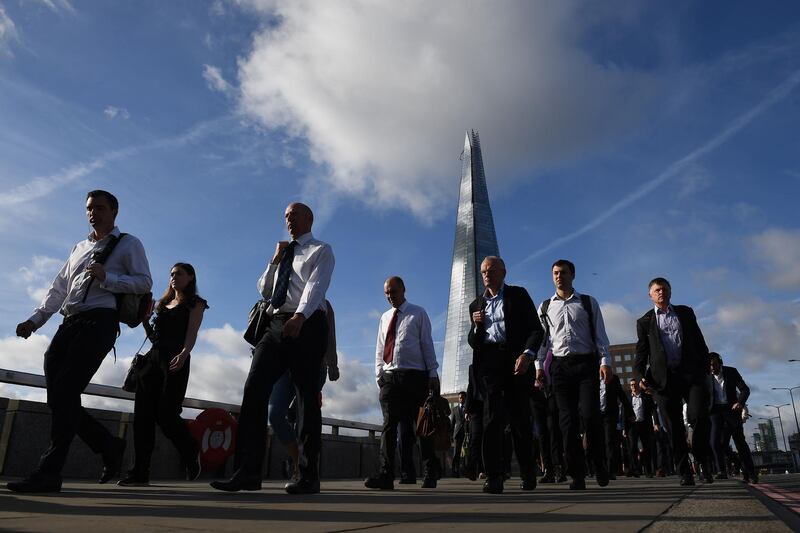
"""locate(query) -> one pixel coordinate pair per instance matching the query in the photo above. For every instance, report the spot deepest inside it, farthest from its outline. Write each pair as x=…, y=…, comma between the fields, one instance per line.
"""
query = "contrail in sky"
x=776, y=95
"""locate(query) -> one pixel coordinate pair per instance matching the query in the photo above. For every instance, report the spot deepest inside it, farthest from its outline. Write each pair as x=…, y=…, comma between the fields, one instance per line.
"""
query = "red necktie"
x=388, y=345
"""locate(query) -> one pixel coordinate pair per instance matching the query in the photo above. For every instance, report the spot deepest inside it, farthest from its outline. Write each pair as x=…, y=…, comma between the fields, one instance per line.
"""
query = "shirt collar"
x=667, y=312
x=403, y=307
x=575, y=294
x=115, y=232
x=303, y=239
x=499, y=294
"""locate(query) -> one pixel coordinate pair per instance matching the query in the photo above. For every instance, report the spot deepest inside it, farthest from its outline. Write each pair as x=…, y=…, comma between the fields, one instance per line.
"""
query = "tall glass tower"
x=475, y=239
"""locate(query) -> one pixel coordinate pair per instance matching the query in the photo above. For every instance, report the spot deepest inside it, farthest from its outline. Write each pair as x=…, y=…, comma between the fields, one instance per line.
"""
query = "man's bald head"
x=299, y=219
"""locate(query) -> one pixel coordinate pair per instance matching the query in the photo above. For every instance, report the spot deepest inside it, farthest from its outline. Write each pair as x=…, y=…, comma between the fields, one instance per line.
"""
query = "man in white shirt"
x=294, y=282
x=405, y=369
x=577, y=336
x=84, y=292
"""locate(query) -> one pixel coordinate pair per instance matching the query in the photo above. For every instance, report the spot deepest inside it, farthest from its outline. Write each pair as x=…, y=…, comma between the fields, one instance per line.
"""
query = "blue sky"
x=636, y=140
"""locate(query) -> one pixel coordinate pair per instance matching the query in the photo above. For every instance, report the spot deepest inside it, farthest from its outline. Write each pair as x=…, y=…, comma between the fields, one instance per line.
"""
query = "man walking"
x=295, y=283
x=577, y=336
x=730, y=396
x=84, y=292
x=612, y=398
x=405, y=368
x=458, y=423
x=504, y=336
x=672, y=358
x=641, y=429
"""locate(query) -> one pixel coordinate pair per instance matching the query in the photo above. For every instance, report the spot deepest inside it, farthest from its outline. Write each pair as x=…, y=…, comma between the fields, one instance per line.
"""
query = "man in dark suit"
x=730, y=394
x=458, y=423
x=640, y=428
x=672, y=359
x=505, y=336
x=611, y=398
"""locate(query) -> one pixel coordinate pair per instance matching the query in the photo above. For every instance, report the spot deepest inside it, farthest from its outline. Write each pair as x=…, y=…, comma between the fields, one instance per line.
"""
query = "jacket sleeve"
x=472, y=337
x=642, y=349
x=744, y=390
x=700, y=342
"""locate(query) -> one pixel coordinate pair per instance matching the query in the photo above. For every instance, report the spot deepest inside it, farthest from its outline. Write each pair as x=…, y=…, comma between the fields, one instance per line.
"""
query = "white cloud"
x=38, y=276
x=369, y=84
x=354, y=396
x=8, y=32
x=777, y=254
x=113, y=112
x=757, y=332
x=620, y=323
x=58, y=5
x=217, y=9
x=215, y=81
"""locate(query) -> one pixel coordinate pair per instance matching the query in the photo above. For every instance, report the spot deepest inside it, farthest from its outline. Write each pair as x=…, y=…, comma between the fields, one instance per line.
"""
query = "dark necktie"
x=284, y=271
x=388, y=345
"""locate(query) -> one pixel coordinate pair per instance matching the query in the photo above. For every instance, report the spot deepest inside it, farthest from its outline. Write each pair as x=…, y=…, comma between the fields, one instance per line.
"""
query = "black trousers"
x=545, y=416
x=727, y=423
x=576, y=386
x=474, y=459
x=694, y=391
x=273, y=356
x=406, y=442
x=608, y=421
x=402, y=393
x=159, y=399
x=641, y=431
x=74, y=355
x=664, y=453
x=506, y=400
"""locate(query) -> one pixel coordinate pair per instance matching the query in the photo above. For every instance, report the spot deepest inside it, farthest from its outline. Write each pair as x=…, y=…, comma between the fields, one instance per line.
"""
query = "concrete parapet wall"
x=25, y=430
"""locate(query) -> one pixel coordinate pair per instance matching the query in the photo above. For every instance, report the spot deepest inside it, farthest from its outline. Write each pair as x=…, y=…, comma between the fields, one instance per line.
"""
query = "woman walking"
x=161, y=384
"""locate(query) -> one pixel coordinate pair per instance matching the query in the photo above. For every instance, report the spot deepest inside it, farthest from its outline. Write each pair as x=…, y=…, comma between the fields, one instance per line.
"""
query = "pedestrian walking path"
x=456, y=505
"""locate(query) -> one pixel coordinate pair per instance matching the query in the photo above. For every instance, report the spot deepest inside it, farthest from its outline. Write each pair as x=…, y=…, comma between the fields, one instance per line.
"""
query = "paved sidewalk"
x=457, y=505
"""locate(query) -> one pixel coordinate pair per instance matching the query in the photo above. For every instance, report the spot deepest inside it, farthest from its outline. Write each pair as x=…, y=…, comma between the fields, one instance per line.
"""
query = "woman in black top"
x=161, y=385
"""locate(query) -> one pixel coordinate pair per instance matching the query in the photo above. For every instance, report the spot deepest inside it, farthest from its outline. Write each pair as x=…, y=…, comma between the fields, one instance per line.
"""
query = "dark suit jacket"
x=651, y=359
x=649, y=409
x=523, y=329
x=736, y=390
x=457, y=420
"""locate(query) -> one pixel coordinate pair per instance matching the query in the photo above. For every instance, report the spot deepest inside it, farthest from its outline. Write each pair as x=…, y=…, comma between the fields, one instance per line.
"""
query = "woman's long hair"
x=190, y=292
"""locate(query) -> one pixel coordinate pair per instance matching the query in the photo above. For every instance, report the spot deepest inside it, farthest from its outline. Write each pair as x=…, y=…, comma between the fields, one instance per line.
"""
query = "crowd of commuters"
x=540, y=384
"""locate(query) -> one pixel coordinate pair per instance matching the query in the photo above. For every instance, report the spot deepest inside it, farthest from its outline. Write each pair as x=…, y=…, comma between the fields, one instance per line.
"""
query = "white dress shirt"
x=413, y=343
x=312, y=268
x=494, y=316
x=719, y=388
x=637, y=402
x=669, y=328
x=127, y=271
x=570, y=331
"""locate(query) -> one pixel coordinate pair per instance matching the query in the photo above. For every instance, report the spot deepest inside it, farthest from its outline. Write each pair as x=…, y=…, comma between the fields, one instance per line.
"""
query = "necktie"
x=284, y=271
x=388, y=345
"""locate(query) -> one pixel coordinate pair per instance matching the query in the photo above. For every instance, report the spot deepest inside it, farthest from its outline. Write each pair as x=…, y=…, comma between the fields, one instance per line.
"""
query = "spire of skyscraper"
x=475, y=239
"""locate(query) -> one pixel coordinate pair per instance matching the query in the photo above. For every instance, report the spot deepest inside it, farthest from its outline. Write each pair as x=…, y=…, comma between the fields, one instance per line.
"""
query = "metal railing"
x=25, y=379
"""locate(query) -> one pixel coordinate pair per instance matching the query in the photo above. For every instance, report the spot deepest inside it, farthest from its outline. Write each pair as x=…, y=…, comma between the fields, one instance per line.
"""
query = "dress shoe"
x=493, y=485
x=708, y=477
x=382, y=482
x=134, y=479
x=721, y=475
x=561, y=478
x=193, y=468
x=36, y=482
x=528, y=484
x=548, y=477
x=601, y=477
x=577, y=484
x=754, y=479
x=687, y=481
x=429, y=483
x=660, y=473
x=612, y=477
x=302, y=486
x=407, y=481
x=470, y=474
x=112, y=460
x=236, y=484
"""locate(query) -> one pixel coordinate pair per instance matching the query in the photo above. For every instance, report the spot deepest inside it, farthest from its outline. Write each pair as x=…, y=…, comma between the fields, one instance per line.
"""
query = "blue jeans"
x=283, y=392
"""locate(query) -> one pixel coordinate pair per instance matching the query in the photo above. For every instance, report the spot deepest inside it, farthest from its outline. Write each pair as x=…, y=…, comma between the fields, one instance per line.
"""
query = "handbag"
x=257, y=322
x=433, y=422
x=137, y=364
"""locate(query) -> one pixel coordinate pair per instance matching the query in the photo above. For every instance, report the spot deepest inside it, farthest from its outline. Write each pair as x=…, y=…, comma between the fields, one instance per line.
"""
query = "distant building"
x=768, y=438
x=622, y=356
x=474, y=240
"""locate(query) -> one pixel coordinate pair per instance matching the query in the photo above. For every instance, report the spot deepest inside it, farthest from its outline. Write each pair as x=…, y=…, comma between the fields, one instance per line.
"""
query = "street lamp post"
x=790, y=389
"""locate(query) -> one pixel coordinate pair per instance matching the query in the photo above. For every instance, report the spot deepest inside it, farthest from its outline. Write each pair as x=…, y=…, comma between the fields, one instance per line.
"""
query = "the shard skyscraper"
x=475, y=239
